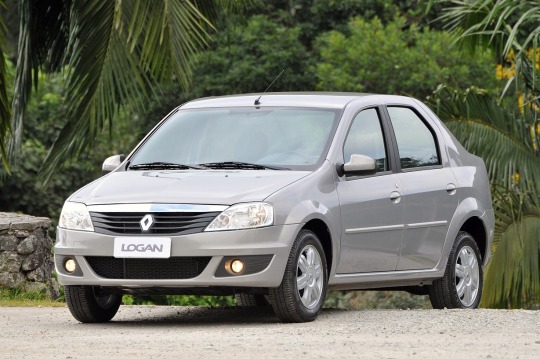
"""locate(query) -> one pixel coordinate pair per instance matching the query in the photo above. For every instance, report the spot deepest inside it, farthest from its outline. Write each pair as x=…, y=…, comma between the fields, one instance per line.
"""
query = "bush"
x=394, y=59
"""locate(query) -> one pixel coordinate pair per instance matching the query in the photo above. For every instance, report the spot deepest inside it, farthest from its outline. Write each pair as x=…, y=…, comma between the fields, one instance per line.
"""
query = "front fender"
x=313, y=197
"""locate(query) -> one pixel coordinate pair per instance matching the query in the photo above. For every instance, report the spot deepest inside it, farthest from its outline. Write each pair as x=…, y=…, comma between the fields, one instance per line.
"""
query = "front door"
x=371, y=208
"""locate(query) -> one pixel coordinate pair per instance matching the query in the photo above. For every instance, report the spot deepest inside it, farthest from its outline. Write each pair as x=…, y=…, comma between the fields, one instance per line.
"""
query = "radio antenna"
x=257, y=101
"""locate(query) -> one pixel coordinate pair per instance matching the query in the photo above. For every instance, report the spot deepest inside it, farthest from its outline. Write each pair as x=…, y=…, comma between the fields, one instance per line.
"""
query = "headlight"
x=75, y=216
x=243, y=216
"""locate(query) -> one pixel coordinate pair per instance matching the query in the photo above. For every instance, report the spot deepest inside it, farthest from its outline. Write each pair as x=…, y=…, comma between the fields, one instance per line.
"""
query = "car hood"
x=192, y=186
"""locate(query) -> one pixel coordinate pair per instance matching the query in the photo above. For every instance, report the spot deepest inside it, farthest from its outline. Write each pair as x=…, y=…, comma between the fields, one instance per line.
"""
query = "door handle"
x=451, y=189
x=395, y=196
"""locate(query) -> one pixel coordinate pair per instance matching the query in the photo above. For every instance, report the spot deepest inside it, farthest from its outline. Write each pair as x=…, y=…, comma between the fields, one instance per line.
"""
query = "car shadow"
x=196, y=316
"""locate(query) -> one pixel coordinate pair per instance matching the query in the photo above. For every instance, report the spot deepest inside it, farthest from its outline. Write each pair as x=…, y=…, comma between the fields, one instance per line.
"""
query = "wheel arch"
x=322, y=231
x=475, y=227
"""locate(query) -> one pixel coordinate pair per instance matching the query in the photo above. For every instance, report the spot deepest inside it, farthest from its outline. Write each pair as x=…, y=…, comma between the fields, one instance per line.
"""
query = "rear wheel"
x=461, y=286
x=89, y=304
x=301, y=295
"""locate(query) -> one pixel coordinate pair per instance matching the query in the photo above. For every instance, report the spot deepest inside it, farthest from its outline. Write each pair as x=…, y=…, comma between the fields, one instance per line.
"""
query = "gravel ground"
x=197, y=332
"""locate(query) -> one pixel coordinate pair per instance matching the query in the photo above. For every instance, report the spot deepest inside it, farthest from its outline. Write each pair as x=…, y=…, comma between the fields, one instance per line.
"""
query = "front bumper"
x=275, y=241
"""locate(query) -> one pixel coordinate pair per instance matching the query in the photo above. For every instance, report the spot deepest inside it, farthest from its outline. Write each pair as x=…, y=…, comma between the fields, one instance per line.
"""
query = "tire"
x=306, y=265
x=250, y=300
x=461, y=286
x=88, y=304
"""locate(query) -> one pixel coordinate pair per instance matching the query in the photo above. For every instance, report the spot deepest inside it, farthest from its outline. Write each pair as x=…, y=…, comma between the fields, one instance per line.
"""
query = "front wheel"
x=89, y=304
x=301, y=295
x=461, y=286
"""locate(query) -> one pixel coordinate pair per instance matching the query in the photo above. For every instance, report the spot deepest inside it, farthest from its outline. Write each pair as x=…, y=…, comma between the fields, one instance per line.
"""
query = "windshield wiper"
x=163, y=166
x=233, y=165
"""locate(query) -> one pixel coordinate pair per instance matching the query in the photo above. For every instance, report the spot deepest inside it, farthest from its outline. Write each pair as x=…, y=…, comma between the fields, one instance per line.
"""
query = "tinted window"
x=416, y=142
x=365, y=138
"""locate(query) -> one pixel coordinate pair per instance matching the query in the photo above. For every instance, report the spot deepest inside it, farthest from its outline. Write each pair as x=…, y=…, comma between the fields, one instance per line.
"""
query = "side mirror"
x=359, y=165
x=112, y=163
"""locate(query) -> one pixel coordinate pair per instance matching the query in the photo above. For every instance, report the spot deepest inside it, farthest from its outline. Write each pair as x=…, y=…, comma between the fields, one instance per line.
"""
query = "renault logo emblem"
x=147, y=222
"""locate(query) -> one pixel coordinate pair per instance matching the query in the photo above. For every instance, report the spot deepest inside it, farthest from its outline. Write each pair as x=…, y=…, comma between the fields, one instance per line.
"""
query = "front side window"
x=416, y=143
x=366, y=138
x=295, y=138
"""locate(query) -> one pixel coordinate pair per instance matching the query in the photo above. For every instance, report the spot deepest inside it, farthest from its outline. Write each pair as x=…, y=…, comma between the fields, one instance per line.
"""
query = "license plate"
x=142, y=247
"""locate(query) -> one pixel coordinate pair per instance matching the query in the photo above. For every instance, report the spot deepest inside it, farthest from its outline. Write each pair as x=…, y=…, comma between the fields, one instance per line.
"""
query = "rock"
x=8, y=243
x=11, y=280
x=27, y=225
x=38, y=275
x=10, y=262
x=33, y=261
x=21, y=234
x=27, y=246
x=25, y=254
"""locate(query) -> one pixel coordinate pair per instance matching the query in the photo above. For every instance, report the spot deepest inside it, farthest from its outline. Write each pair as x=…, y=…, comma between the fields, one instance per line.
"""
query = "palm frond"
x=117, y=52
x=482, y=23
x=510, y=206
x=103, y=75
x=42, y=44
x=5, y=113
x=512, y=278
x=168, y=34
x=497, y=135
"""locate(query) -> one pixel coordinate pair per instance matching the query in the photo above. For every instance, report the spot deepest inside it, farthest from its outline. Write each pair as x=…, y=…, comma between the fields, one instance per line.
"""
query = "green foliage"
x=5, y=106
x=358, y=300
x=21, y=192
x=507, y=139
x=113, y=53
x=10, y=297
x=244, y=58
x=247, y=59
x=392, y=59
x=511, y=29
x=181, y=300
x=513, y=276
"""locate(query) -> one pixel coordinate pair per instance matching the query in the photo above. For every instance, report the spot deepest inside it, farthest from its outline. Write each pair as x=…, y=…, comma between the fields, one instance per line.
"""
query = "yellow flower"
x=515, y=178
x=499, y=73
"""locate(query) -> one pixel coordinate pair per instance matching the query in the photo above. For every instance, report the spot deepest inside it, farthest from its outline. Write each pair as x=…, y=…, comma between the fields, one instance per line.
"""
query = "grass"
x=18, y=298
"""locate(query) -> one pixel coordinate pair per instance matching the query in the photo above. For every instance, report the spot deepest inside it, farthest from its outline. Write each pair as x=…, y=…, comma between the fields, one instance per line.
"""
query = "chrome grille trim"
x=155, y=207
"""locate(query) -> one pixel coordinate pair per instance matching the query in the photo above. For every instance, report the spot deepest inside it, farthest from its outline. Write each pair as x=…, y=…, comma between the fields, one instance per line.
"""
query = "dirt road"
x=195, y=332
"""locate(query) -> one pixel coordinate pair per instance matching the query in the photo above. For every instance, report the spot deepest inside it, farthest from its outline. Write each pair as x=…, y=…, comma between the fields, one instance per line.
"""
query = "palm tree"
x=112, y=53
x=506, y=133
x=503, y=138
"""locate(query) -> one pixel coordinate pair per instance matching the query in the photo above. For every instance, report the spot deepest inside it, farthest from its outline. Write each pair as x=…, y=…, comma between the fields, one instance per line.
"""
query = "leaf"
x=512, y=278
x=42, y=44
x=5, y=113
x=499, y=136
x=118, y=51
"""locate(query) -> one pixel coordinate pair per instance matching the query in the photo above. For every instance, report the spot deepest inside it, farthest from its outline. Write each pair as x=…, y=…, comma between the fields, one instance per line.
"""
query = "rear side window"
x=366, y=138
x=416, y=142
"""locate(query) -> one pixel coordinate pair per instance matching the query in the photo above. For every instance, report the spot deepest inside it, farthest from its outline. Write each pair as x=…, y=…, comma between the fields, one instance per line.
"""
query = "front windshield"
x=295, y=138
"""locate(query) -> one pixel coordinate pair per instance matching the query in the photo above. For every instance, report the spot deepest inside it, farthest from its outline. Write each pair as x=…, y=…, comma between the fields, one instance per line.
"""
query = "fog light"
x=70, y=265
x=237, y=266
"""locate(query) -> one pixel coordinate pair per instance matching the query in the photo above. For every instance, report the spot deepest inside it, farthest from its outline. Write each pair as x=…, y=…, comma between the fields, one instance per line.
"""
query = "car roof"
x=336, y=100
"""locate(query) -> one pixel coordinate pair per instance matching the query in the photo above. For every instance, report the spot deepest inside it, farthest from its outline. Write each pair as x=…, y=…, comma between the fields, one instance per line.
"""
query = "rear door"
x=429, y=189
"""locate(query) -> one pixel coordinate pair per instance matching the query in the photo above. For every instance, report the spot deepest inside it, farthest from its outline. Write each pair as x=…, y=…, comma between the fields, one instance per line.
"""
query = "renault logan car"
x=277, y=198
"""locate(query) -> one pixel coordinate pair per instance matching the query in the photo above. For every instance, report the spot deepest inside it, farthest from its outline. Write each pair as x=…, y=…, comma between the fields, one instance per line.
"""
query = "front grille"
x=164, y=222
x=148, y=268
